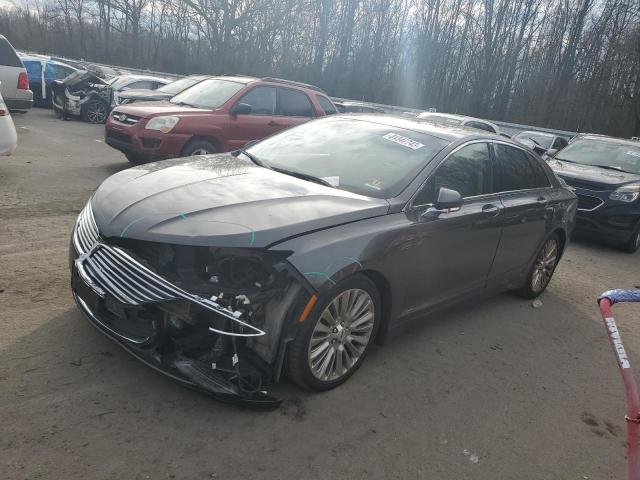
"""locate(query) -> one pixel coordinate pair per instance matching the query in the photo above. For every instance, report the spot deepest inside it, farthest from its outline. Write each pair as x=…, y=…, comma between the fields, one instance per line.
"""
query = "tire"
x=633, y=245
x=136, y=158
x=344, y=349
x=198, y=147
x=95, y=111
x=542, y=269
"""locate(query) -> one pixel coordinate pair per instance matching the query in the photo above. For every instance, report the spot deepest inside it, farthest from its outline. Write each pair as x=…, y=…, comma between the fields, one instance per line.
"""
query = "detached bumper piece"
x=190, y=338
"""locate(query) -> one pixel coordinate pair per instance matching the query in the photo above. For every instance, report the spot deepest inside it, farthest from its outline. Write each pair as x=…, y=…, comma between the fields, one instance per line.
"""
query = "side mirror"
x=551, y=152
x=240, y=109
x=448, y=199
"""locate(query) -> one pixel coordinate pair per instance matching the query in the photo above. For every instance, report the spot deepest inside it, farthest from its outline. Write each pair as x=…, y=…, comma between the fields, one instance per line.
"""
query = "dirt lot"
x=497, y=390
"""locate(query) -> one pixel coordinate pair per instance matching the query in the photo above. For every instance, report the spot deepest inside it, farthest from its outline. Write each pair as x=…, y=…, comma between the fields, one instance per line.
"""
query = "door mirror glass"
x=448, y=199
x=241, y=109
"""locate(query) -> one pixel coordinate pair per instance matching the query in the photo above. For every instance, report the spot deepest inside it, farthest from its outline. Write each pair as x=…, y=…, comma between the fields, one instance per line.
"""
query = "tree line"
x=567, y=64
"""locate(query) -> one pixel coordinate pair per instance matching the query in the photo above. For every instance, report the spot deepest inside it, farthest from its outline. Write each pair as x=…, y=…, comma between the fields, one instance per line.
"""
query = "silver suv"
x=14, y=82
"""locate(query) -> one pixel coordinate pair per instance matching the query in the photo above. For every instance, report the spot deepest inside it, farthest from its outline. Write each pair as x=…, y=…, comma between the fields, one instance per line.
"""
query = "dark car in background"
x=216, y=115
x=605, y=173
x=540, y=142
x=42, y=71
x=165, y=92
x=299, y=252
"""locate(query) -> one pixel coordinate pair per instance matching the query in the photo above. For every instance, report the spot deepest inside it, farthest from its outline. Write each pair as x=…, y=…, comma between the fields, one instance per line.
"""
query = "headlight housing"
x=162, y=124
x=626, y=193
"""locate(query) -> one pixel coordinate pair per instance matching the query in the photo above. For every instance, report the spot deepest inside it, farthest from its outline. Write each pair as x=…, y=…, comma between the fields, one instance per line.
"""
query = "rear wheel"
x=95, y=111
x=542, y=269
x=332, y=344
x=198, y=147
x=633, y=245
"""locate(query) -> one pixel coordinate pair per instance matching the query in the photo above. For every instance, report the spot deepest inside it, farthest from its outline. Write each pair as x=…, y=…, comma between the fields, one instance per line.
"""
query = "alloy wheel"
x=544, y=265
x=341, y=335
x=96, y=112
x=200, y=151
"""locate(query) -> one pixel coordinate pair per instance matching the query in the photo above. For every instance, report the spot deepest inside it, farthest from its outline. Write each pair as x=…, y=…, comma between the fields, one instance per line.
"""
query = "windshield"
x=620, y=156
x=363, y=157
x=537, y=139
x=178, y=86
x=209, y=94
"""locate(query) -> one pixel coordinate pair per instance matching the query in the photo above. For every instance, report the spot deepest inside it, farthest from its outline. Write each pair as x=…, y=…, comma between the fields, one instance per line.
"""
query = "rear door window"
x=468, y=171
x=294, y=104
x=326, y=105
x=8, y=56
x=261, y=99
x=518, y=173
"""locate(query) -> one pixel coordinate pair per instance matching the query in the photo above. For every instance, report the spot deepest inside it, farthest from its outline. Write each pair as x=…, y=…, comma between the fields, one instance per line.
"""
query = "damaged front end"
x=217, y=319
x=71, y=94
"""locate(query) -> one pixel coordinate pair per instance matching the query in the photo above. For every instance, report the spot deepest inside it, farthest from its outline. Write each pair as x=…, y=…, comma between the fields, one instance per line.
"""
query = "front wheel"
x=633, y=245
x=333, y=342
x=95, y=111
x=542, y=269
x=198, y=147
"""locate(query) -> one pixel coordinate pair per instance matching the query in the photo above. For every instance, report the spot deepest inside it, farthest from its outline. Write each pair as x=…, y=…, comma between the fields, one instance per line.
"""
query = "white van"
x=14, y=82
x=8, y=137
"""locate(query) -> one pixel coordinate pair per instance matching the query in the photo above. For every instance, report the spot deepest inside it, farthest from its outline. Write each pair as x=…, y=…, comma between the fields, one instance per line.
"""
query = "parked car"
x=356, y=107
x=300, y=251
x=85, y=95
x=164, y=92
x=540, y=142
x=42, y=71
x=124, y=83
x=605, y=173
x=216, y=115
x=8, y=136
x=14, y=82
x=459, y=120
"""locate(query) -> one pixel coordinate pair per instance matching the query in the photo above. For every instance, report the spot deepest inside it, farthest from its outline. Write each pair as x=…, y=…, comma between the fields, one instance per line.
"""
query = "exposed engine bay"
x=220, y=354
x=72, y=93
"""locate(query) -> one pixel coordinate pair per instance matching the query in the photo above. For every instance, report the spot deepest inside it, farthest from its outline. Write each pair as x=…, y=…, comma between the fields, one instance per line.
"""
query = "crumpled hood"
x=220, y=200
x=593, y=175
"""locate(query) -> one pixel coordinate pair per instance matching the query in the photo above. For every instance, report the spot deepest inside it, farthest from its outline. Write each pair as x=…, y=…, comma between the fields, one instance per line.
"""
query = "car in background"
x=8, y=136
x=83, y=94
x=299, y=252
x=356, y=107
x=164, y=92
x=124, y=83
x=14, y=81
x=605, y=173
x=42, y=71
x=219, y=114
x=459, y=120
x=540, y=142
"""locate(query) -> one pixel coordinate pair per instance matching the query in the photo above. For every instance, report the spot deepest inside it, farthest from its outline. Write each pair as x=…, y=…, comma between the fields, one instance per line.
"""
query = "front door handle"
x=490, y=210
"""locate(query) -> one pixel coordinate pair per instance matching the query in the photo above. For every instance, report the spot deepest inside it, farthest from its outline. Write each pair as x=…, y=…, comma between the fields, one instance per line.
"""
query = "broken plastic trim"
x=106, y=268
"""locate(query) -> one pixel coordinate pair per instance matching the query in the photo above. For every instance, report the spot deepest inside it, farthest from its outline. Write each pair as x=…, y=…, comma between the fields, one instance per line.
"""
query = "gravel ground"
x=490, y=391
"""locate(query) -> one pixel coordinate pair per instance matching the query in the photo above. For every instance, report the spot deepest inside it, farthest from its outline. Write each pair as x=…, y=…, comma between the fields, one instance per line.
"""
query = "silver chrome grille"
x=109, y=269
x=85, y=234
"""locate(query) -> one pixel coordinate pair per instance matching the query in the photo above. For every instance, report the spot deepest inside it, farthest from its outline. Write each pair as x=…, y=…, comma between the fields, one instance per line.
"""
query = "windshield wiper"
x=609, y=167
x=303, y=176
x=255, y=159
x=184, y=104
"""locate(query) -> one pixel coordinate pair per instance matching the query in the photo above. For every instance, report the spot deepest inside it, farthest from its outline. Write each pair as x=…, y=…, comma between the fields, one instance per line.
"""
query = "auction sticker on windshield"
x=404, y=141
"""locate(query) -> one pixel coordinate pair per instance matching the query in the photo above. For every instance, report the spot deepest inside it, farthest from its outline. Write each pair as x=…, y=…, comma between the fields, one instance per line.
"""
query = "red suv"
x=217, y=115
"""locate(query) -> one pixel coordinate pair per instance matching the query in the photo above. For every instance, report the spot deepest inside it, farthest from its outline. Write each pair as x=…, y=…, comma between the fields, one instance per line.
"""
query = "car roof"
x=143, y=77
x=450, y=133
x=535, y=132
x=606, y=138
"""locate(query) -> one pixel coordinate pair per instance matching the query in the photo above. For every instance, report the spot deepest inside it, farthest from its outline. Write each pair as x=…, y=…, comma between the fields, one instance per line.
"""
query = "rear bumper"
x=136, y=139
x=19, y=104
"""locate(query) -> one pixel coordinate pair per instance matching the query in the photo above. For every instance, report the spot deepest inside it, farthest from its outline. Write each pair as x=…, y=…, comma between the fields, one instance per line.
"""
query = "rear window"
x=8, y=56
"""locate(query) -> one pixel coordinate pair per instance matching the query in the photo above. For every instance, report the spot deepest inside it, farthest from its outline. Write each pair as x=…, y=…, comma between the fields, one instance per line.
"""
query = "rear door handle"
x=490, y=210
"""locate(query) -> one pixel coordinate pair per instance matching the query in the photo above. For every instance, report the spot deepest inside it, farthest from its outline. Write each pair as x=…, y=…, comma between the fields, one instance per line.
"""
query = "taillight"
x=23, y=81
x=3, y=108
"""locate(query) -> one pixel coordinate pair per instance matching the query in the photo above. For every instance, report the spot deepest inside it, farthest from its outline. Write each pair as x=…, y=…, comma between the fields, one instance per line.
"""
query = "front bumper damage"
x=221, y=329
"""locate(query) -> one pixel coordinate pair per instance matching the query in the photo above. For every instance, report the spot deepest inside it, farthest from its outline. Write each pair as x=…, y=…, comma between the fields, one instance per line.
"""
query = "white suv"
x=14, y=82
x=8, y=137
